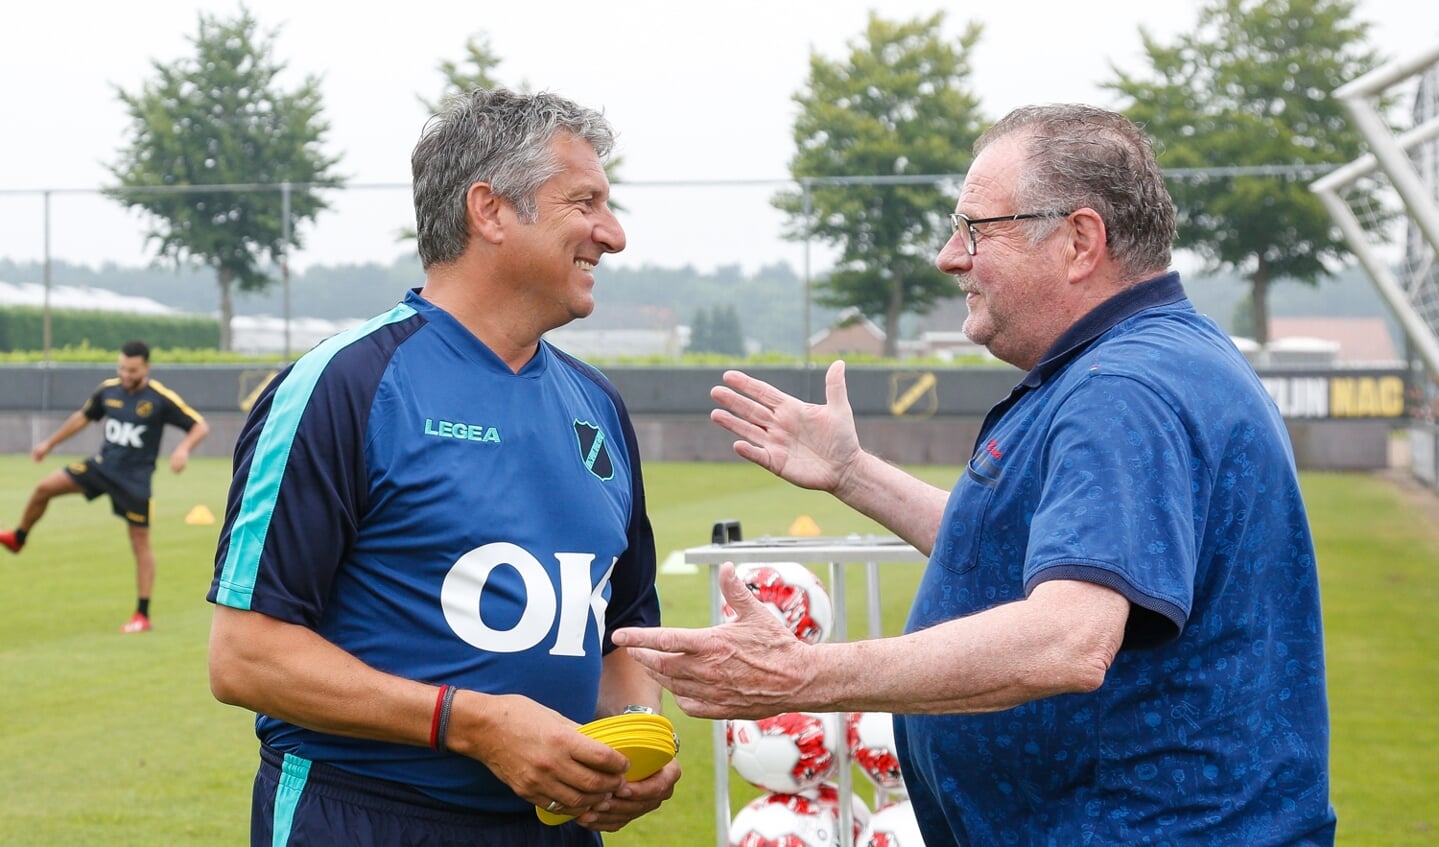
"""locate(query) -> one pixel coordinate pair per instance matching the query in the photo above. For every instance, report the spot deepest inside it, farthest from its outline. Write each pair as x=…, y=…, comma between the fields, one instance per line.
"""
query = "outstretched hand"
x=809, y=445
x=750, y=667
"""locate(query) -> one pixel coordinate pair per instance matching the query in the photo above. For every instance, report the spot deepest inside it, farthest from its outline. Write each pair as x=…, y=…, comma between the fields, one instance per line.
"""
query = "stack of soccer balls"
x=792, y=757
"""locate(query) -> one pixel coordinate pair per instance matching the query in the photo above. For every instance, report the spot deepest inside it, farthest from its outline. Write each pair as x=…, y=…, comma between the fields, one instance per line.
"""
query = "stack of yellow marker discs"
x=647, y=740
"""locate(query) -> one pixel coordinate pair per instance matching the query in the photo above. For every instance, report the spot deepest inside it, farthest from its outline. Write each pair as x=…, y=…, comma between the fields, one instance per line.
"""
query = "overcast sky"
x=699, y=92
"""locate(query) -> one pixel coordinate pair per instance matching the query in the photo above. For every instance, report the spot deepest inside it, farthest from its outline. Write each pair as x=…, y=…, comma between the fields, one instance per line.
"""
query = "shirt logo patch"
x=462, y=431
x=144, y=409
x=125, y=433
x=593, y=450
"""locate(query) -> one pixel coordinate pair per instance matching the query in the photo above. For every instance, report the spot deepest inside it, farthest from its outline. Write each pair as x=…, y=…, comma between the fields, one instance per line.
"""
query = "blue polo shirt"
x=1142, y=454
x=404, y=494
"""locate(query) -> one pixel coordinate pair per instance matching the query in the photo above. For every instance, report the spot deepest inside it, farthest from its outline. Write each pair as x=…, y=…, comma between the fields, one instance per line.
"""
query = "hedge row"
x=23, y=328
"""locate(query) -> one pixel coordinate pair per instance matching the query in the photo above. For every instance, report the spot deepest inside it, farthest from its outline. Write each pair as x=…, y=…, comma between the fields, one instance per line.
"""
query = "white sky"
x=698, y=92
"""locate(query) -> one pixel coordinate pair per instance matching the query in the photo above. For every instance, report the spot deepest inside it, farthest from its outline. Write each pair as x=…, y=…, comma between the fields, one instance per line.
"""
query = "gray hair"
x=494, y=136
x=1080, y=156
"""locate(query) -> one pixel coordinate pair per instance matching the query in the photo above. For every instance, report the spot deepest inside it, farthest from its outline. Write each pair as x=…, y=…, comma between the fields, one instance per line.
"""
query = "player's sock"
x=143, y=607
x=13, y=540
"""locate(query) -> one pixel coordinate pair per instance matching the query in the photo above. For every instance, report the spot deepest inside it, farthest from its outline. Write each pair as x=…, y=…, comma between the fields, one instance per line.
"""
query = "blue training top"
x=1142, y=454
x=403, y=493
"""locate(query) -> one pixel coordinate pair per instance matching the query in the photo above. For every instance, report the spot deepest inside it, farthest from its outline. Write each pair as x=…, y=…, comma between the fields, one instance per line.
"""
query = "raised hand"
x=809, y=445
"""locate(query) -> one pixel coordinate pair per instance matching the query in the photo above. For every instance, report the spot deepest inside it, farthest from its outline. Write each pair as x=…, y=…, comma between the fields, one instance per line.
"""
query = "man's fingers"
x=738, y=595
x=835, y=392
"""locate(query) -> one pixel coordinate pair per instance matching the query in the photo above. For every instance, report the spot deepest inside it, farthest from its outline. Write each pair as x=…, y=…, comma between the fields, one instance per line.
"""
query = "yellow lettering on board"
x=1366, y=397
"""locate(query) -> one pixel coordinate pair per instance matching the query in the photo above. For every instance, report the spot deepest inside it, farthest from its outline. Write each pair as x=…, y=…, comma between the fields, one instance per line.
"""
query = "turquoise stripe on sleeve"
x=294, y=773
x=272, y=454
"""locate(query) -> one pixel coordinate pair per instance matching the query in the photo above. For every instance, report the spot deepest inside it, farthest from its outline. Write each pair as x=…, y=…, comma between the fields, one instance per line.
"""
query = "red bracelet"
x=435, y=721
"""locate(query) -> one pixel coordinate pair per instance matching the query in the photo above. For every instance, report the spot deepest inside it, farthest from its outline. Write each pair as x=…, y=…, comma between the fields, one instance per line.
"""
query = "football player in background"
x=135, y=410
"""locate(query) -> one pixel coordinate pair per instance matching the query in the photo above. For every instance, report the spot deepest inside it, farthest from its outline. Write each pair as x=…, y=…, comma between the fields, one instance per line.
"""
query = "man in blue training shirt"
x=437, y=519
x=1118, y=637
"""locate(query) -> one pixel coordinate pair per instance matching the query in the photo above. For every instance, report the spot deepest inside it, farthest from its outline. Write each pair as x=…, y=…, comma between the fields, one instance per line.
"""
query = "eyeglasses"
x=964, y=224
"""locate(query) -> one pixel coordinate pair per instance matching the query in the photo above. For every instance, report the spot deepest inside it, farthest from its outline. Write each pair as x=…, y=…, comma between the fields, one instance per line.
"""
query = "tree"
x=716, y=329
x=1252, y=85
x=220, y=119
x=871, y=133
x=476, y=70
x=701, y=332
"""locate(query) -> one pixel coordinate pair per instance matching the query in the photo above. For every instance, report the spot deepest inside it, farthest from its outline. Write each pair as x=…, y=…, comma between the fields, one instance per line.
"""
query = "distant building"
x=249, y=334
x=80, y=298
x=1349, y=341
x=852, y=332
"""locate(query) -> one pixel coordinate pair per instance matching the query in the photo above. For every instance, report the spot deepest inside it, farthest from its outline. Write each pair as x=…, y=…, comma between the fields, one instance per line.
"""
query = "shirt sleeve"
x=298, y=493
x=176, y=412
x=94, y=408
x=1120, y=504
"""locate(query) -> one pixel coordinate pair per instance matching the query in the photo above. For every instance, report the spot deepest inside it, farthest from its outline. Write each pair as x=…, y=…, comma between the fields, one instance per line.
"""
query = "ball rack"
x=727, y=545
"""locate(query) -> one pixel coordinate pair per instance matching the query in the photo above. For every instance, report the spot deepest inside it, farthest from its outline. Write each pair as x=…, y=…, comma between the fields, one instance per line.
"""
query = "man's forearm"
x=906, y=505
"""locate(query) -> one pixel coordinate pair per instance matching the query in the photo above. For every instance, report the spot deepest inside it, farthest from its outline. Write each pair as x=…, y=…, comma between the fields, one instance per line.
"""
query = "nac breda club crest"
x=594, y=450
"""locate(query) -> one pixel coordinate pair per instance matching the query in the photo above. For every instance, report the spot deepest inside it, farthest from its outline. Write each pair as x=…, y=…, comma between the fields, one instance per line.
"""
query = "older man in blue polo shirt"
x=1117, y=639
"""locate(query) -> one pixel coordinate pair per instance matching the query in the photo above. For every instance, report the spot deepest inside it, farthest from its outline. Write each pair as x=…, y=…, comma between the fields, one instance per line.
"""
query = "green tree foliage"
x=716, y=329
x=219, y=118
x=898, y=107
x=1252, y=85
x=475, y=70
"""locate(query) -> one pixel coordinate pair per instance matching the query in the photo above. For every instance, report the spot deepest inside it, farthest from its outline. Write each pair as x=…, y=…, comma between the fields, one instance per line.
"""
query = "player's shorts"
x=131, y=502
x=311, y=804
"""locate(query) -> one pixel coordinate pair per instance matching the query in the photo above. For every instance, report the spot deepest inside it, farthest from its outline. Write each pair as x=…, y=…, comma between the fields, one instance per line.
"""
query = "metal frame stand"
x=836, y=552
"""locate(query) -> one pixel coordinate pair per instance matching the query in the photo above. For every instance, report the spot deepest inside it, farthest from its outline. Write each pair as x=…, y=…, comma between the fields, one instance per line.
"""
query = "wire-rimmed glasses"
x=964, y=224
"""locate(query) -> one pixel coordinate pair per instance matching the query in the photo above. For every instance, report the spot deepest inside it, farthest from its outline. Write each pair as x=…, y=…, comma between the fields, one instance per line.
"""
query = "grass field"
x=115, y=740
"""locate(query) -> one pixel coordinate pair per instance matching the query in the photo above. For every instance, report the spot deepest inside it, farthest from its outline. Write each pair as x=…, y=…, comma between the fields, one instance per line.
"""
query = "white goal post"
x=1406, y=165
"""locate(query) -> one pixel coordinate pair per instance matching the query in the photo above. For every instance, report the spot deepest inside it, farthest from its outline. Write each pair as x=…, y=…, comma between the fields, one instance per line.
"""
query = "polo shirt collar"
x=1159, y=291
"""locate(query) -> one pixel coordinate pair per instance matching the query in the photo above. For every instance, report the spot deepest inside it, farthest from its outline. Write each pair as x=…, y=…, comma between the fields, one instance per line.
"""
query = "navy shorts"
x=131, y=502
x=300, y=803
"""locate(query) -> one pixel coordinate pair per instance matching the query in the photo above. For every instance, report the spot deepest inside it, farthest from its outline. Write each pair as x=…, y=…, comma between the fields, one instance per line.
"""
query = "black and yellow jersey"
x=134, y=423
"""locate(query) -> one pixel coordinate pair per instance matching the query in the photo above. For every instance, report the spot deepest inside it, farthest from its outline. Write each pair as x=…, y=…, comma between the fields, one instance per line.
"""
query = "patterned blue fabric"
x=403, y=493
x=1143, y=454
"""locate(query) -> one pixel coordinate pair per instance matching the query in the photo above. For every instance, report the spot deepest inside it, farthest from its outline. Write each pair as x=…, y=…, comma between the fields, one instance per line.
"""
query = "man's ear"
x=484, y=212
x=1088, y=242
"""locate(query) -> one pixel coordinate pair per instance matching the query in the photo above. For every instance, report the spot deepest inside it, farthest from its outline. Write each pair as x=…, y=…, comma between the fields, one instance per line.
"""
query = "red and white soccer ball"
x=826, y=796
x=892, y=825
x=785, y=753
x=775, y=820
x=871, y=746
x=793, y=594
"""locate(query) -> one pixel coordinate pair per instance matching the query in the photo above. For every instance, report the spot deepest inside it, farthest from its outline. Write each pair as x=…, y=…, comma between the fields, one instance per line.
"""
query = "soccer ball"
x=871, y=746
x=775, y=820
x=826, y=796
x=785, y=753
x=793, y=594
x=892, y=825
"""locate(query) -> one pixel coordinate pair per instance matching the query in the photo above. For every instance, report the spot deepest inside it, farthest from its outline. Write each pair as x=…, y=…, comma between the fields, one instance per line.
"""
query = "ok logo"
x=575, y=601
x=123, y=432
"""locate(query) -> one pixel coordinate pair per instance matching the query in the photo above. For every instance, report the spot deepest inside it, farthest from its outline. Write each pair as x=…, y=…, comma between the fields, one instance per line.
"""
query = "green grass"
x=115, y=740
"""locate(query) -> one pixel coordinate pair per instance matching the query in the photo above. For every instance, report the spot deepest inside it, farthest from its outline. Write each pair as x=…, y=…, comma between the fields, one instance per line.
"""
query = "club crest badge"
x=594, y=450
